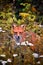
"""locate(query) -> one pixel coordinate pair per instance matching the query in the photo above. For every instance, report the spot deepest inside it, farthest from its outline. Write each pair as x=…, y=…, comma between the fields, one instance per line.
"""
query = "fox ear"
x=14, y=25
x=23, y=26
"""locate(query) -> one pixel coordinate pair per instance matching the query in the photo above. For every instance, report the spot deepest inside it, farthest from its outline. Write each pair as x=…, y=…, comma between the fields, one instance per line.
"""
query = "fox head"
x=18, y=32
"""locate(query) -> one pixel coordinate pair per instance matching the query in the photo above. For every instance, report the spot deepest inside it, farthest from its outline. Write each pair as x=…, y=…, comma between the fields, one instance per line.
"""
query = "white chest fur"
x=25, y=43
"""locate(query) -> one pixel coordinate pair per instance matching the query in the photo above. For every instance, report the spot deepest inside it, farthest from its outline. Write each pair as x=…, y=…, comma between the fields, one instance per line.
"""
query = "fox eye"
x=15, y=32
x=20, y=32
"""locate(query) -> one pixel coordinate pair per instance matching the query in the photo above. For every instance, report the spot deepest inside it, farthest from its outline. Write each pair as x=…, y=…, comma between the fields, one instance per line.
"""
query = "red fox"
x=20, y=35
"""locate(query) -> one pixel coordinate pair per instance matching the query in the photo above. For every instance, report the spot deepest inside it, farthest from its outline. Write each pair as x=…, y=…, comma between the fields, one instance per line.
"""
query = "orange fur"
x=18, y=30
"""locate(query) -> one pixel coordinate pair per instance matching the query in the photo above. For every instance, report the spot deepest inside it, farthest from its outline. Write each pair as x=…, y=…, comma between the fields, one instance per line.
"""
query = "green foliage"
x=40, y=19
x=27, y=7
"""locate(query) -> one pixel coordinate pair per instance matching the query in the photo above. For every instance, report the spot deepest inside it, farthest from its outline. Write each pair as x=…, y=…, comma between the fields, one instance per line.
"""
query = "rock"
x=9, y=60
x=14, y=55
x=36, y=55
